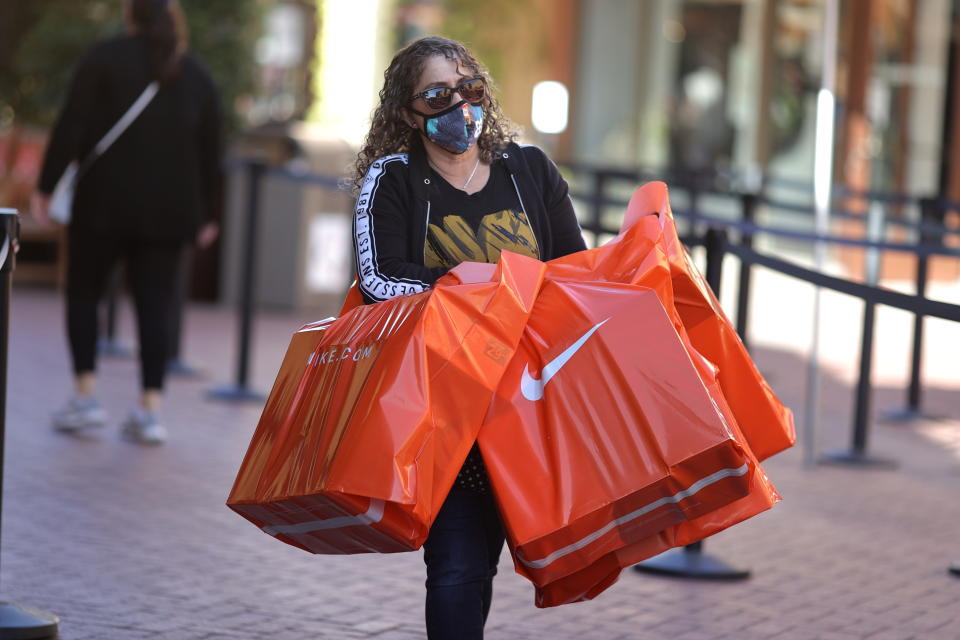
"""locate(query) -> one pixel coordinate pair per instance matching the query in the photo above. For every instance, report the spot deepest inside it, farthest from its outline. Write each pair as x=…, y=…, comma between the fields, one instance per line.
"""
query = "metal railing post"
x=240, y=390
x=748, y=203
x=715, y=242
x=16, y=621
x=931, y=213
x=596, y=205
x=857, y=454
x=862, y=408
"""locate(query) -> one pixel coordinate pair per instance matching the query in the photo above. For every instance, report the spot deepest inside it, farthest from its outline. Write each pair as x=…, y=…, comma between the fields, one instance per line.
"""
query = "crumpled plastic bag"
x=372, y=414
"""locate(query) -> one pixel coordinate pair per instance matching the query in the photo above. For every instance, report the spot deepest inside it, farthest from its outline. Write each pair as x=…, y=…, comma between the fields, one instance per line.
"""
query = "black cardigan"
x=162, y=177
x=393, y=212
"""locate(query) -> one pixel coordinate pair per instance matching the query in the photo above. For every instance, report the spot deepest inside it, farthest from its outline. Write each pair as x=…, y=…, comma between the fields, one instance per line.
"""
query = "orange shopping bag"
x=648, y=235
x=590, y=581
x=766, y=423
x=372, y=415
x=641, y=255
x=647, y=242
x=602, y=433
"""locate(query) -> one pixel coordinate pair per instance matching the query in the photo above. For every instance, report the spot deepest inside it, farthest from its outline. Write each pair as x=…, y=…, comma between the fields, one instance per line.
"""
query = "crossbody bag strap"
x=121, y=125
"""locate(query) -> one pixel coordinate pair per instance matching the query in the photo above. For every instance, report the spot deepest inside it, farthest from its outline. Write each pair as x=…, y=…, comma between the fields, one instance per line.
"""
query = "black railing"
x=931, y=231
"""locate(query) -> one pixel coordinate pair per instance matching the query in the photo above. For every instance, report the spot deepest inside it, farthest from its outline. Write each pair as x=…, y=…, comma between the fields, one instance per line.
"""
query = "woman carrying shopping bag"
x=141, y=126
x=440, y=181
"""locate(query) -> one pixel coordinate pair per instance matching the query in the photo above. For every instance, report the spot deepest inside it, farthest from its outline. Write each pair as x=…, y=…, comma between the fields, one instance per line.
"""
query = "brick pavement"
x=129, y=543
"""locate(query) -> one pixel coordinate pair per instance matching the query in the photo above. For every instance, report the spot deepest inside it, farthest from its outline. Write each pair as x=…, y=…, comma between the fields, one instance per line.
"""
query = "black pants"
x=152, y=269
x=461, y=555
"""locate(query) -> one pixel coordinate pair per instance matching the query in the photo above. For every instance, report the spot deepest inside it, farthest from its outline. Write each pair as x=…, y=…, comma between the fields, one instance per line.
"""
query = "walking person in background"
x=155, y=189
x=441, y=182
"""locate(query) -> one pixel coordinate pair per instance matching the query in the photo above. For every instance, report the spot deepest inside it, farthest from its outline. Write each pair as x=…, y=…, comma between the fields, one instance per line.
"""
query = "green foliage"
x=36, y=75
x=43, y=62
x=223, y=34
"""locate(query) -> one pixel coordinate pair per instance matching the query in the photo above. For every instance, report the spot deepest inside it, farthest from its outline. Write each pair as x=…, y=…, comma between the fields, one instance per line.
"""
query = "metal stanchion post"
x=749, y=207
x=691, y=561
x=240, y=390
x=16, y=621
x=693, y=191
x=857, y=454
x=931, y=212
x=596, y=206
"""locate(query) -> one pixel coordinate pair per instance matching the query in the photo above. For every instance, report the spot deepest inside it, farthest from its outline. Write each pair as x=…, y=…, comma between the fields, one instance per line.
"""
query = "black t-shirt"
x=477, y=227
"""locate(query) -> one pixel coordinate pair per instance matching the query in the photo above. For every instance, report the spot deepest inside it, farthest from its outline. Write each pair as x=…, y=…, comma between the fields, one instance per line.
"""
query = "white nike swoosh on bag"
x=532, y=388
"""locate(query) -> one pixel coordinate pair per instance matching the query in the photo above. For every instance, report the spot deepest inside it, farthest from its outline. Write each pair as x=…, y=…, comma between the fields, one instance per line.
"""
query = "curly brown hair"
x=389, y=133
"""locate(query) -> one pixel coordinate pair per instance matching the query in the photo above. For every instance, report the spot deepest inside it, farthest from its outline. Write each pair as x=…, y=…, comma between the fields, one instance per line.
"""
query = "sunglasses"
x=471, y=90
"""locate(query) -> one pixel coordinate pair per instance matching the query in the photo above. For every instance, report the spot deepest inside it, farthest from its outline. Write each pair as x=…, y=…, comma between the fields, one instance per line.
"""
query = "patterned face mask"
x=456, y=128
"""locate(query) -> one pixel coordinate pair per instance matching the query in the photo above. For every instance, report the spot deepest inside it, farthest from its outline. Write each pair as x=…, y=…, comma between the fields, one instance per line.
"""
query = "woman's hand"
x=208, y=234
x=40, y=208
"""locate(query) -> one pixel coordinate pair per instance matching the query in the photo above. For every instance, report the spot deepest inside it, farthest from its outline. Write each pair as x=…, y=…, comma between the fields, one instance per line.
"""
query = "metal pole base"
x=235, y=393
x=181, y=369
x=851, y=458
x=955, y=568
x=907, y=414
x=24, y=623
x=903, y=414
x=685, y=563
x=114, y=349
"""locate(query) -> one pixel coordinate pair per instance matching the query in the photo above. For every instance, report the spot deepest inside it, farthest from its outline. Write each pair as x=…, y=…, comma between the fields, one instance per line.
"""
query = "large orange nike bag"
x=645, y=248
x=602, y=433
x=647, y=251
x=372, y=415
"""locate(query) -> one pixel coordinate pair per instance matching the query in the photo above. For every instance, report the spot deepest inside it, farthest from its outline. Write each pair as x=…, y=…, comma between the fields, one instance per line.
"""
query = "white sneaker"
x=144, y=427
x=80, y=412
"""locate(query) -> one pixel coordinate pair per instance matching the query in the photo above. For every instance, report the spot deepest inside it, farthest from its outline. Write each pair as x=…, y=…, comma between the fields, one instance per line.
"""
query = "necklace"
x=472, y=173
x=444, y=173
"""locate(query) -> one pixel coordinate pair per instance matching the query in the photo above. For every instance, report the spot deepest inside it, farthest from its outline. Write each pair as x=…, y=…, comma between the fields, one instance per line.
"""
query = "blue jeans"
x=461, y=555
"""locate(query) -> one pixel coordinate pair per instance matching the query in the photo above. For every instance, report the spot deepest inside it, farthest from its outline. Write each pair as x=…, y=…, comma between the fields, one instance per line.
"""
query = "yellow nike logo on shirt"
x=532, y=388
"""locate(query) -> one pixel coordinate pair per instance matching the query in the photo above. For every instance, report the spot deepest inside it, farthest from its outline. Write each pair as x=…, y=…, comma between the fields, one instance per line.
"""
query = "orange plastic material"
x=372, y=415
x=592, y=580
x=766, y=423
x=647, y=253
x=602, y=432
x=627, y=420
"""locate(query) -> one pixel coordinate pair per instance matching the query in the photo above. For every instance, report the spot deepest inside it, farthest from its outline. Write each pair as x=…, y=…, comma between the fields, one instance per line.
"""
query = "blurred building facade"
x=652, y=84
x=657, y=85
x=698, y=83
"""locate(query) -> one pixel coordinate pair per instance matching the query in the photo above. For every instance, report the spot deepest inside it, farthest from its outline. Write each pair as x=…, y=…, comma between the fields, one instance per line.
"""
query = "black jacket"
x=393, y=212
x=162, y=177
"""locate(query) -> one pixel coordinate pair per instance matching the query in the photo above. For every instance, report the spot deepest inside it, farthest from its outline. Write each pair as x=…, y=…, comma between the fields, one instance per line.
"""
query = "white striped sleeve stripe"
x=371, y=281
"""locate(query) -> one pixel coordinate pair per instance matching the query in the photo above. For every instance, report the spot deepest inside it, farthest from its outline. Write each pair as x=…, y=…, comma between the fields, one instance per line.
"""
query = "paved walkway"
x=129, y=543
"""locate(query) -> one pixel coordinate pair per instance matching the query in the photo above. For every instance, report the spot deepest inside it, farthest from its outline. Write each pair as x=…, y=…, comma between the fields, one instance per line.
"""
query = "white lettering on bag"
x=342, y=352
